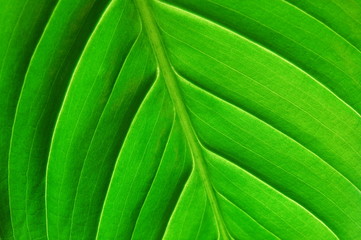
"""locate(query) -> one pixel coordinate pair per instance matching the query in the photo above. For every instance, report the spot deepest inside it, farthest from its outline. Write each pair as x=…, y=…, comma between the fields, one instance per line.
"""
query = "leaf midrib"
x=165, y=68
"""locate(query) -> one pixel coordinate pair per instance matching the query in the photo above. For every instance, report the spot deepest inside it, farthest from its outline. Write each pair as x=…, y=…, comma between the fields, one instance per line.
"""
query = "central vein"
x=172, y=84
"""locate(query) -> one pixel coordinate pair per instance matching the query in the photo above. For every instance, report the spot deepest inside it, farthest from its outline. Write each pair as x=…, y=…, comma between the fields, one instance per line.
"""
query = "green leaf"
x=180, y=119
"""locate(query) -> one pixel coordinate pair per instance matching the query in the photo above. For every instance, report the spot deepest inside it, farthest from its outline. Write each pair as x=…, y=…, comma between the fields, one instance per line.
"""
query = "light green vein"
x=322, y=23
x=271, y=187
x=92, y=139
x=268, y=50
x=175, y=94
x=149, y=93
x=355, y=80
x=107, y=9
x=248, y=149
x=17, y=108
x=154, y=179
x=254, y=220
x=291, y=138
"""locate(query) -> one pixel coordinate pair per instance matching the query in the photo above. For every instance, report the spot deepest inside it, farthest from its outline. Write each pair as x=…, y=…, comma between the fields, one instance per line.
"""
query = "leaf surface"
x=182, y=119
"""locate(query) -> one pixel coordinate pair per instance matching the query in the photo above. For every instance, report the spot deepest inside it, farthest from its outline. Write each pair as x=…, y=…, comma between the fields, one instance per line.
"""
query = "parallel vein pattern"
x=180, y=119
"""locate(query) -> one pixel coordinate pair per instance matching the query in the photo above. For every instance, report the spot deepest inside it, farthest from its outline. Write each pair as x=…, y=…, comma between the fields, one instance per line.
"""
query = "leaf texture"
x=180, y=119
